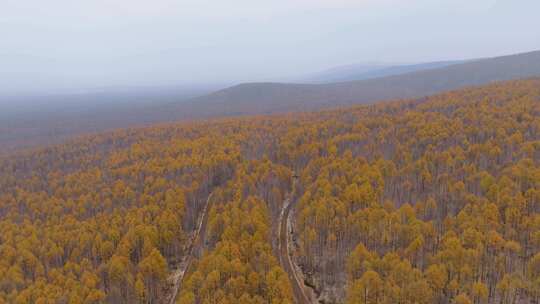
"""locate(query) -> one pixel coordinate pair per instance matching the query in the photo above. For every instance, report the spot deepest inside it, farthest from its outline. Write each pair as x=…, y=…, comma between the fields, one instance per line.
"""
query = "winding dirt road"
x=301, y=292
x=195, y=245
x=301, y=295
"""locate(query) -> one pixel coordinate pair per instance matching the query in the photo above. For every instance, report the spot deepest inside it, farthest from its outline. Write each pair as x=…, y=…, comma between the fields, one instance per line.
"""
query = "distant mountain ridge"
x=362, y=71
x=267, y=98
x=338, y=73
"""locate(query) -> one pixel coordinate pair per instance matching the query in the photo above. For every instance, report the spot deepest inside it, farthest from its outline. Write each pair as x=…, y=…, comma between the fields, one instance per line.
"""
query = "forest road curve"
x=298, y=285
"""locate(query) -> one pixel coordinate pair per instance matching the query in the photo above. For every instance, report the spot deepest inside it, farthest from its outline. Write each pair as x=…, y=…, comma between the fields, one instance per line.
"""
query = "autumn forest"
x=431, y=200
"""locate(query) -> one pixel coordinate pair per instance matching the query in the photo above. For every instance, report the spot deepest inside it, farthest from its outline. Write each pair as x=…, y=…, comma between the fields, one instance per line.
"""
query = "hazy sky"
x=69, y=44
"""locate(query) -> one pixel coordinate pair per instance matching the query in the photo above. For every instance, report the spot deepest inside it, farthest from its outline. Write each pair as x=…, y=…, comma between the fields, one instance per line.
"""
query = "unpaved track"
x=299, y=289
x=194, y=246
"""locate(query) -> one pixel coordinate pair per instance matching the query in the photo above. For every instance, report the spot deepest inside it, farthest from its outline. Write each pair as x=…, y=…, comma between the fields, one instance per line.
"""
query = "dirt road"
x=301, y=295
x=197, y=241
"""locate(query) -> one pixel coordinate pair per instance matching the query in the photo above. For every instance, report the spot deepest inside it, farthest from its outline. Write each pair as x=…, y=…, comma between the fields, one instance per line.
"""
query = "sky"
x=64, y=45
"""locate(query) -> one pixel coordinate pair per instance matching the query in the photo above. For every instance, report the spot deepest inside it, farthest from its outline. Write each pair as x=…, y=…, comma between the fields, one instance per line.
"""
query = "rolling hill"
x=42, y=126
x=267, y=98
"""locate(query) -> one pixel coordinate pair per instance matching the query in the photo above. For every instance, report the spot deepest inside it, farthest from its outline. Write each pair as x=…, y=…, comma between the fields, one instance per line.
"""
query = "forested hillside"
x=434, y=200
x=28, y=122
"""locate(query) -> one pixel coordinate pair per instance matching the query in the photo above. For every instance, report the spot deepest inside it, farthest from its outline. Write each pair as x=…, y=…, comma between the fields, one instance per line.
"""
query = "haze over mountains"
x=376, y=70
x=83, y=113
x=266, y=98
x=29, y=120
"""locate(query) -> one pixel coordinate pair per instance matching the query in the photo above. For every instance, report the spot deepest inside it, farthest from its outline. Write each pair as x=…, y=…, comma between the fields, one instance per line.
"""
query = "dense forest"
x=432, y=200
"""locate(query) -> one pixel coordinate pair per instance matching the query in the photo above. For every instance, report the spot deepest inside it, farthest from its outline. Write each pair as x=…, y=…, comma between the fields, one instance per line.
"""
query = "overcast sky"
x=70, y=44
